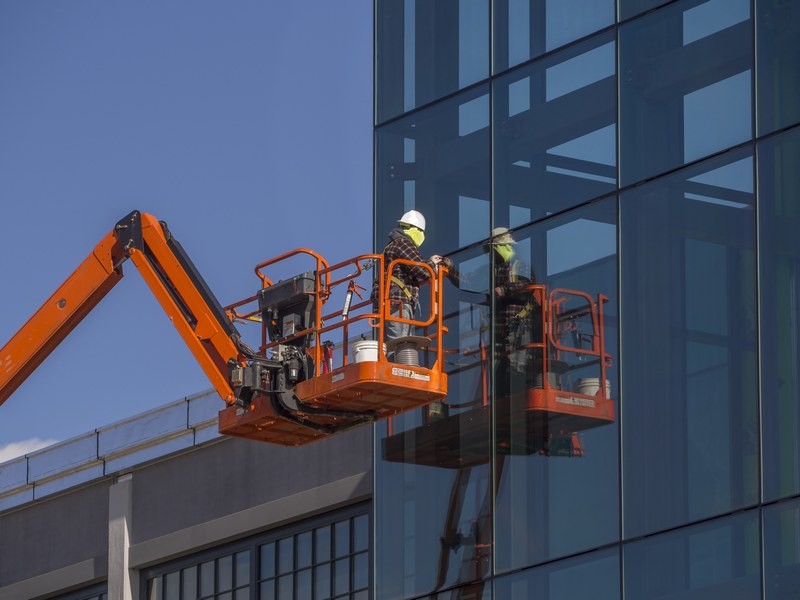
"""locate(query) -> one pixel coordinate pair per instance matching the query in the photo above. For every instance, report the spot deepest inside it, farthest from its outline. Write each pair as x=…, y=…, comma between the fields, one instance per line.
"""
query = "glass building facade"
x=645, y=152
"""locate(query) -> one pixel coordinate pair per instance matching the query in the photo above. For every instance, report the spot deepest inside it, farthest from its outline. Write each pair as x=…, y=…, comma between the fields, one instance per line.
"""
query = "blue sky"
x=246, y=125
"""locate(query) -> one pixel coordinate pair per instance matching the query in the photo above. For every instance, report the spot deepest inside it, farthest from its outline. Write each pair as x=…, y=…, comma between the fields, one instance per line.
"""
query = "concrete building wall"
x=172, y=507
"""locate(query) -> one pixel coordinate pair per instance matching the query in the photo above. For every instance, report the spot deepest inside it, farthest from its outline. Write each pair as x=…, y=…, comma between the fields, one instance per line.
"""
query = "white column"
x=123, y=582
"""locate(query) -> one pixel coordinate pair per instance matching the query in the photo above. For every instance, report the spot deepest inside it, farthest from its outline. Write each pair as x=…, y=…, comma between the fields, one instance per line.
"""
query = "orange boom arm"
x=171, y=277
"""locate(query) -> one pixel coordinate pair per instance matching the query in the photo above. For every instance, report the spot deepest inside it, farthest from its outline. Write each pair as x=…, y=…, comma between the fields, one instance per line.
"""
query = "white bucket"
x=366, y=350
x=589, y=386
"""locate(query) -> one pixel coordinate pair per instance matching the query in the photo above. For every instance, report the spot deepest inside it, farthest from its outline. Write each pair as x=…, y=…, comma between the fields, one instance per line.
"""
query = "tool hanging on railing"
x=352, y=288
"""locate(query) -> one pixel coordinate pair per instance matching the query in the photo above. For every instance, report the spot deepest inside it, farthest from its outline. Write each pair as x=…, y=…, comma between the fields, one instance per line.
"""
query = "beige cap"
x=501, y=235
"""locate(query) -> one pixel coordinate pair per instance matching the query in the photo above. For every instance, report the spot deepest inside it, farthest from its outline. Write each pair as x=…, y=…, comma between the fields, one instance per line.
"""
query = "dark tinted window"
x=433, y=496
x=594, y=576
x=685, y=85
x=778, y=63
x=688, y=345
x=782, y=550
x=437, y=161
x=717, y=560
x=526, y=28
x=426, y=50
x=555, y=133
x=779, y=210
x=549, y=462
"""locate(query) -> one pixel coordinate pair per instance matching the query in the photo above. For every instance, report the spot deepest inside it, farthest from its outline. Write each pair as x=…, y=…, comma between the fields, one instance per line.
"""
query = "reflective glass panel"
x=555, y=133
x=322, y=543
x=718, y=560
x=593, y=576
x=322, y=582
x=437, y=162
x=631, y=8
x=778, y=64
x=527, y=28
x=285, y=555
x=782, y=550
x=690, y=445
x=432, y=465
x=303, y=543
x=556, y=437
x=341, y=534
x=360, y=533
x=224, y=573
x=685, y=85
x=189, y=587
x=779, y=220
x=267, y=560
x=426, y=50
x=242, y=568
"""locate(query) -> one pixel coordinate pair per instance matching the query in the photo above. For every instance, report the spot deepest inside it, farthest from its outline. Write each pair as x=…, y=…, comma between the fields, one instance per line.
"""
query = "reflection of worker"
x=404, y=243
x=516, y=314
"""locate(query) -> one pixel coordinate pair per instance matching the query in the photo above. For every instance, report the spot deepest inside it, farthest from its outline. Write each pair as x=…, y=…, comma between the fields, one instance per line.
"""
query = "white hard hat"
x=414, y=218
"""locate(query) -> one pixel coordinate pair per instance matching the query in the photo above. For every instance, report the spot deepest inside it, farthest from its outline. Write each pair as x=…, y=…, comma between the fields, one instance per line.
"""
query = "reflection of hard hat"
x=501, y=235
x=413, y=218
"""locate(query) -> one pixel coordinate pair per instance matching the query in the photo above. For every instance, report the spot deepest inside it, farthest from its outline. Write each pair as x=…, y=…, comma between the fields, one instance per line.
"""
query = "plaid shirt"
x=401, y=246
x=511, y=297
x=510, y=280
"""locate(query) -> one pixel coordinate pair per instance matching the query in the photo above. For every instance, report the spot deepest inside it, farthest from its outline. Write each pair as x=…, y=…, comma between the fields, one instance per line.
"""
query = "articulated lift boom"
x=291, y=390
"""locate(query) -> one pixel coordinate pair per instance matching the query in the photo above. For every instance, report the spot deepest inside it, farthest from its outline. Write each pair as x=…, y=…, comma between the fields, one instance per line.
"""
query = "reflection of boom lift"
x=288, y=391
x=544, y=417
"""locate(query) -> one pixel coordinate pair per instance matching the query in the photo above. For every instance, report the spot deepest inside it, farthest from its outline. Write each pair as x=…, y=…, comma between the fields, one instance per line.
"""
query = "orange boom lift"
x=299, y=384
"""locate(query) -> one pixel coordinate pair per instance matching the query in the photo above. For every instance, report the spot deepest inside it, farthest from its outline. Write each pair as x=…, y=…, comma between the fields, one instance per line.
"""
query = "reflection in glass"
x=189, y=588
x=172, y=586
x=303, y=585
x=360, y=533
x=592, y=576
x=688, y=345
x=782, y=551
x=778, y=63
x=267, y=560
x=717, y=560
x=341, y=576
x=555, y=133
x=341, y=536
x=322, y=543
x=685, y=85
x=426, y=50
x=526, y=28
x=322, y=581
x=437, y=161
x=207, y=578
x=242, y=568
x=557, y=443
x=779, y=219
x=303, y=543
x=224, y=573
x=286, y=587
x=630, y=8
x=433, y=499
x=285, y=555
x=360, y=571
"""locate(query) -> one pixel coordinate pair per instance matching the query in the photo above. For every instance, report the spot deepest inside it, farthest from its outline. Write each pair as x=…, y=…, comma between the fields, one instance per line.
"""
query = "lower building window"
x=325, y=558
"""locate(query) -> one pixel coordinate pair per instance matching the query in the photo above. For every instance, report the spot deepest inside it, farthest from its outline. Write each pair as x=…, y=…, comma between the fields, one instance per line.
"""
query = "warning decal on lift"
x=409, y=374
x=576, y=401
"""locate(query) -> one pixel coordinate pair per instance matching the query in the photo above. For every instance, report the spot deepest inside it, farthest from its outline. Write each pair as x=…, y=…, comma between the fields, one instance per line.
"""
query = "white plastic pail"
x=589, y=386
x=365, y=350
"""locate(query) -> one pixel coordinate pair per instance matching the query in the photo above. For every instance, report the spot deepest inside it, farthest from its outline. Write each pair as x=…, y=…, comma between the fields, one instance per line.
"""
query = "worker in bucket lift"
x=404, y=242
x=517, y=318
